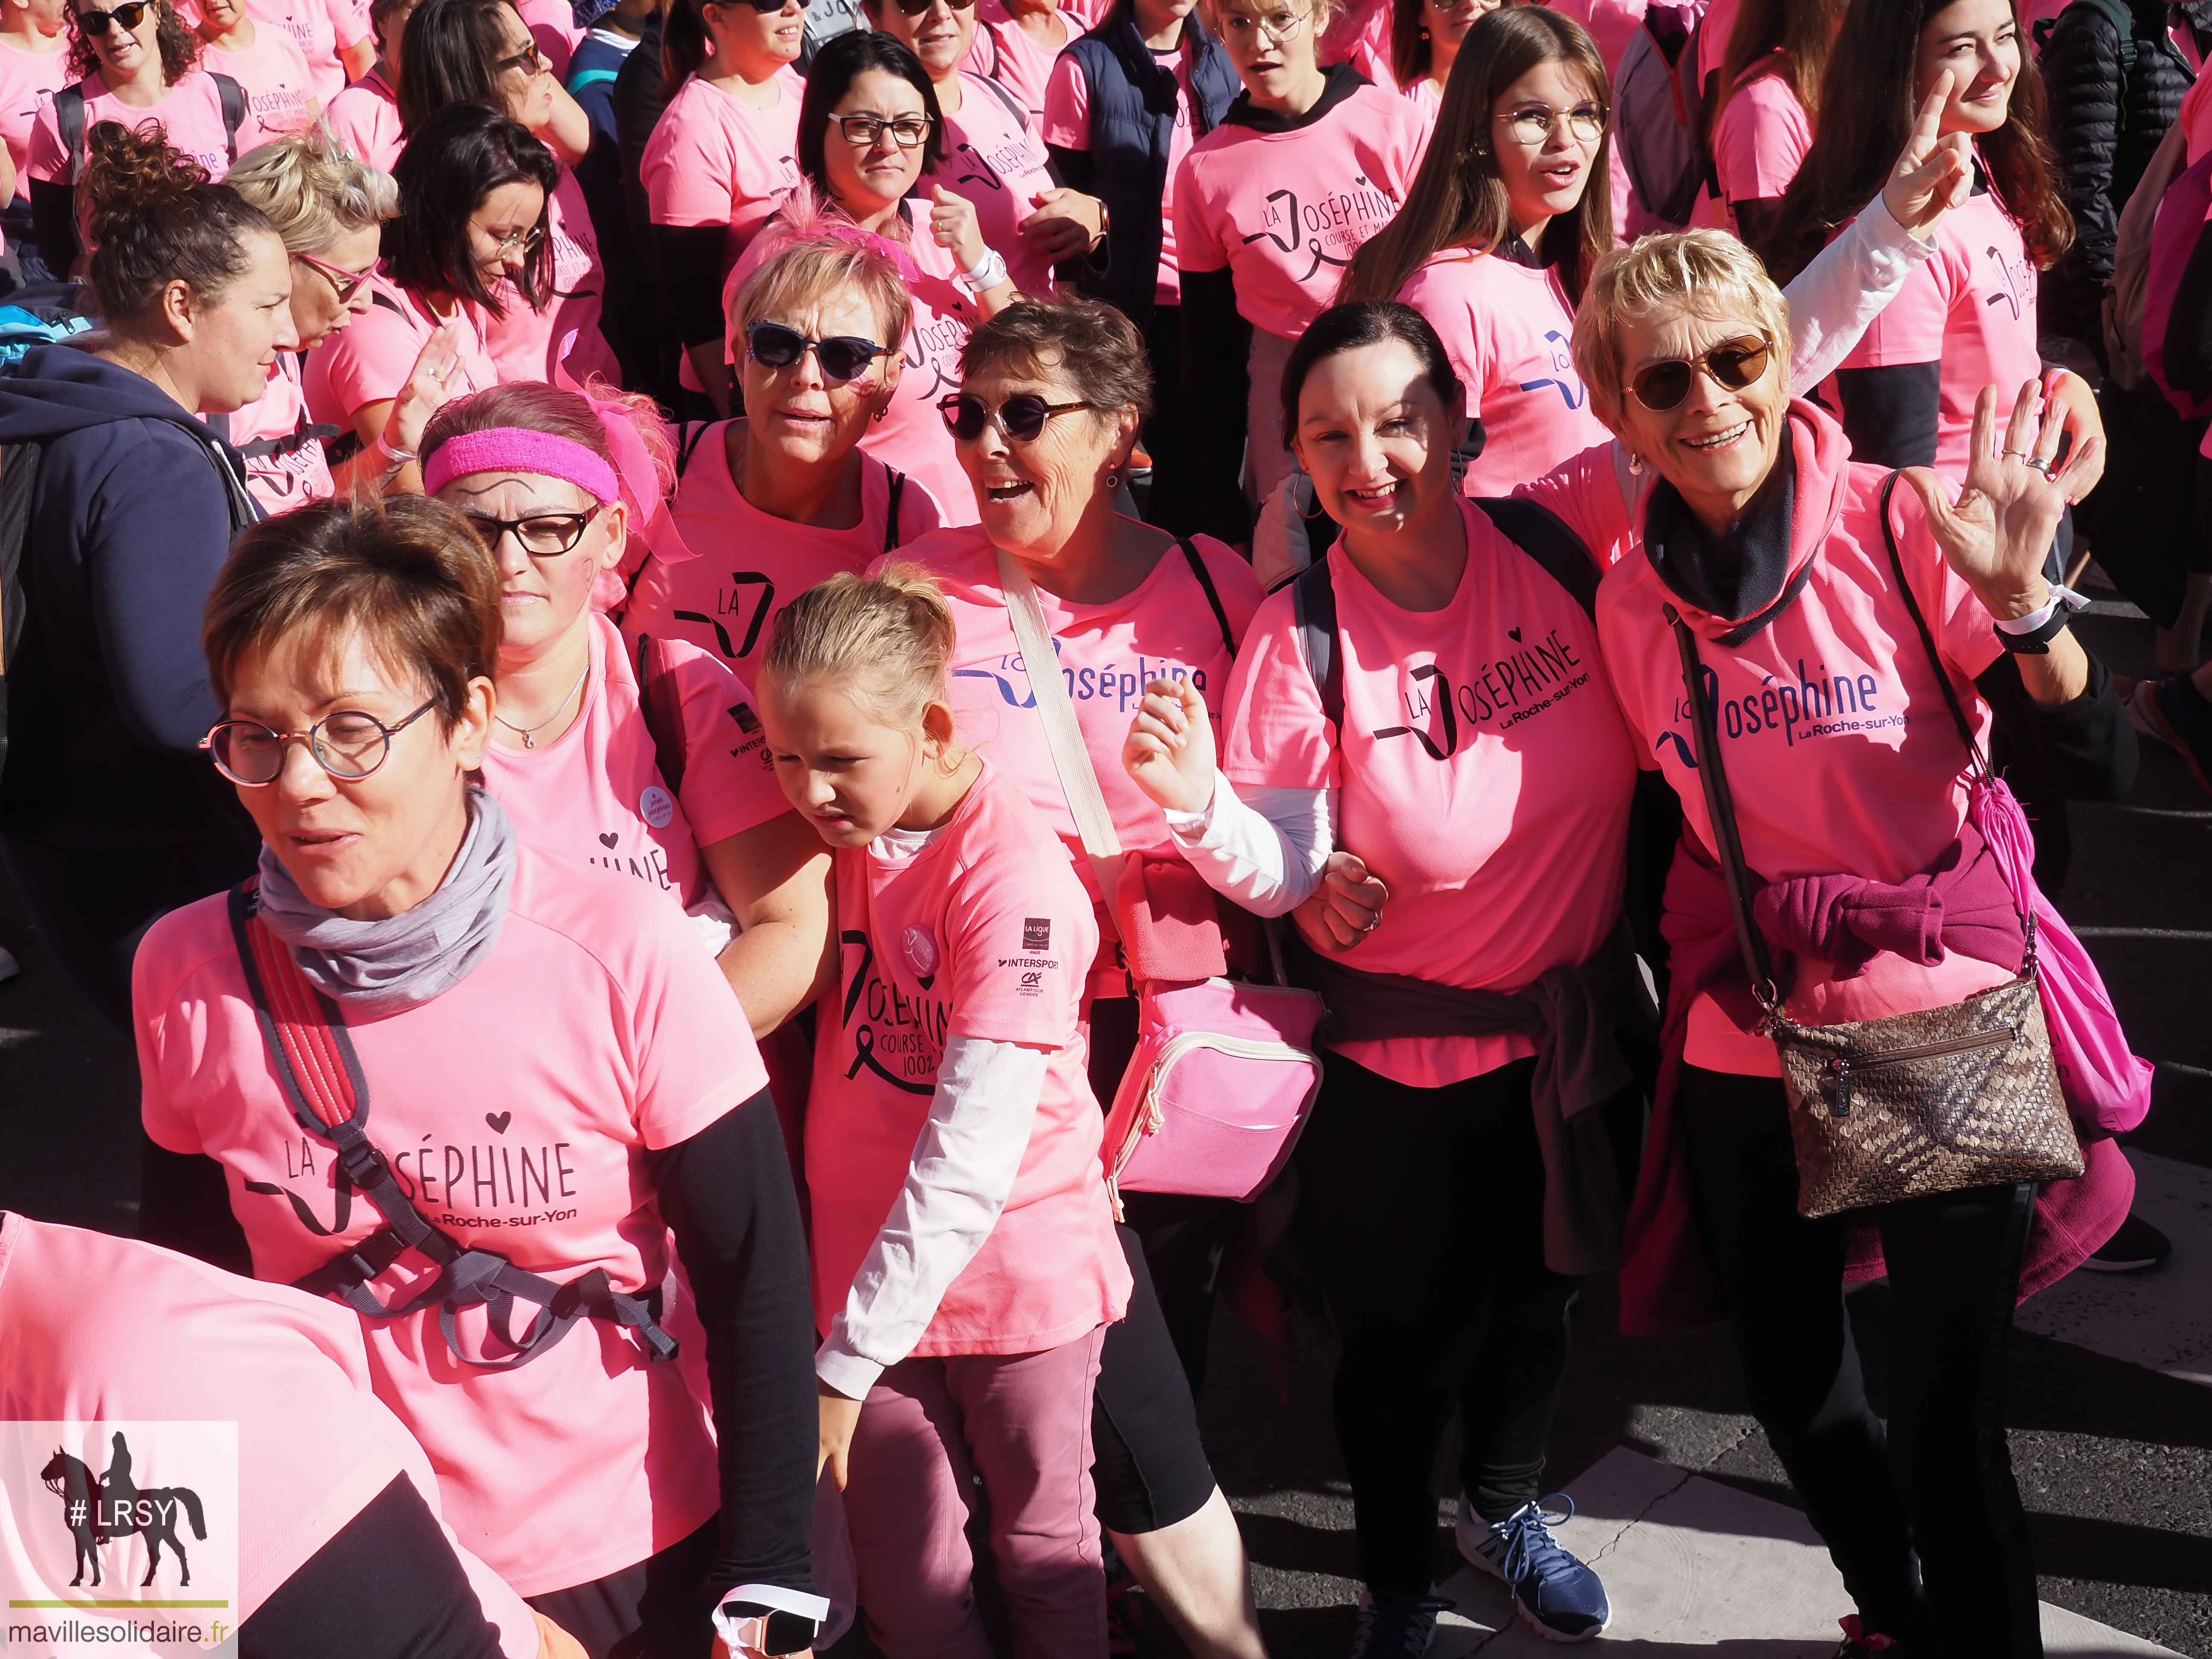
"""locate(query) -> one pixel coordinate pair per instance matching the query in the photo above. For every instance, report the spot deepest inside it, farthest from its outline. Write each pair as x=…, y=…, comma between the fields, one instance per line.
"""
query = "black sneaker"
x=2136, y=1246
x=1395, y=1626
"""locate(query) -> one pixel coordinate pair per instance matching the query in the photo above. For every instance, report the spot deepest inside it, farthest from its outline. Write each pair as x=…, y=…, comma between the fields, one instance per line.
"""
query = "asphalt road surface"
x=2111, y=1390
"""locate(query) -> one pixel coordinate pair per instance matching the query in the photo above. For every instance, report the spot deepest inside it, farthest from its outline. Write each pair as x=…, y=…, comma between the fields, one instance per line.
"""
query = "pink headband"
x=520, y=449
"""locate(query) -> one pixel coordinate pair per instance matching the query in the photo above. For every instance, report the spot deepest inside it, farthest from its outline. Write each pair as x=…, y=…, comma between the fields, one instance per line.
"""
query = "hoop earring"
x=1635, y=465
x=1113, y=482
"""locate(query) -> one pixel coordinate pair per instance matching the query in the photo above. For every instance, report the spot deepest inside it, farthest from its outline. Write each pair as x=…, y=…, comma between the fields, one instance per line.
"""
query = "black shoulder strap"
x=1544, y=537
x=686, y=440
x=891, y=508
x=69, y=120
x=377, y=297
x=1213, y=593
x=1312, y=606
x=661, y=701
x=232, y=96
x=1920, y=623
x=1014, y=104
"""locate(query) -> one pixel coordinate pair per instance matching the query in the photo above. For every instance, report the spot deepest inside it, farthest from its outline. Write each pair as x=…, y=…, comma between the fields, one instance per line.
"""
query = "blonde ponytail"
x=884, y=640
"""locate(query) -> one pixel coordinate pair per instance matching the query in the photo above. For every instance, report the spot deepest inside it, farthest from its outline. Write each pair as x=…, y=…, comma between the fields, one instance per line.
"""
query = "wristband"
x=769, y=1619
x=2031, y=635
x=382, y=445
x=990, y=270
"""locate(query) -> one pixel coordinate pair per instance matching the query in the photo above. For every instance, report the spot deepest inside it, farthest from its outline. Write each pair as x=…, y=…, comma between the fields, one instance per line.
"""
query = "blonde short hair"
x=1706, y=273
x=312, y=189
x=885, y=640
x=808, y=269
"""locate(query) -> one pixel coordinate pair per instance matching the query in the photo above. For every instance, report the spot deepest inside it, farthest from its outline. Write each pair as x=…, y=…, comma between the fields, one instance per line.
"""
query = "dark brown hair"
x=154, y=218
x=1096, y=347
x=1867, y=107
x=405, y=571
x=179, y=47
x=1364, y=323
x=452, y=49
x=462, y=153
x=1412, y=51
x=1803, y=30
x=1457, y=199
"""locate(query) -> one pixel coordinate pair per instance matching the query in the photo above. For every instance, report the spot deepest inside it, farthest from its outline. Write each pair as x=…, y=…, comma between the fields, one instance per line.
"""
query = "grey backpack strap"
x=232, y=96
x=1313, y=606
x=69, y=119
x=1545, y=538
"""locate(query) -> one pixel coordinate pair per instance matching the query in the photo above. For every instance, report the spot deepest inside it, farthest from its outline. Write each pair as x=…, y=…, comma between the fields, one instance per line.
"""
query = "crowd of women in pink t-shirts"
x=821, y=583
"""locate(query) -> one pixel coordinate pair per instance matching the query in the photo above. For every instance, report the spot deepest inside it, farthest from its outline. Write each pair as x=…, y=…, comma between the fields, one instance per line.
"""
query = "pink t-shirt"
x=1841, y=753
x=365, y=119
x=1510, y=335
x=1972, y=308
x=279, y=88
x=1713, y=32
x=315, y=1445
x=370, y=360
x=911, y=437
x=553, y=27
x=1612, y=24
x=29, y=82
x=746, y=565
x=995, y=158
x=1018, y=62
x=712, y=161
x=1067, y=124
x=1353, y=34
x=983, y=933
x=189, y=114
x=321, y=29
x=1162, y=627
x=284, y=467
x=1760, y=139
x=527, y=344
x=1490, y=716
x=1286, y=211
x=524, y=1099
x=595, y=795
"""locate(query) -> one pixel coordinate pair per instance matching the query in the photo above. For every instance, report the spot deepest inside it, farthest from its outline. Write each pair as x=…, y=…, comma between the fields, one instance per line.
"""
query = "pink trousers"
x=929, y=1428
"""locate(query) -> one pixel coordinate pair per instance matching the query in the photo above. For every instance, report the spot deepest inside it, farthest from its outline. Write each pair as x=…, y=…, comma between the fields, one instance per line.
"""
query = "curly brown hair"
x=179, y=47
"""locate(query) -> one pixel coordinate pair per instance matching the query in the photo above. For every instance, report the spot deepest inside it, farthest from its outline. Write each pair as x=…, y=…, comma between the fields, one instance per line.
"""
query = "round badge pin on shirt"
x=921, y=947
x=656, y=806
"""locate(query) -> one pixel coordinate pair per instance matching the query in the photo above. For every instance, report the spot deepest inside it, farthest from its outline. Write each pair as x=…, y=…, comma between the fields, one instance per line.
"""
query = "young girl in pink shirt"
x=783, y=497
x=1493, y=249
x=265, y=61
x=1776, y=56
x=869, y=128
x=330, y=209
x=719, y=160
x=965, y=1264
x=1269, y=209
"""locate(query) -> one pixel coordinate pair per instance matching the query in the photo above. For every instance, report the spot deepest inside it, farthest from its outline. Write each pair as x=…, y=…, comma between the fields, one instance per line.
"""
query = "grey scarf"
x=383, y=967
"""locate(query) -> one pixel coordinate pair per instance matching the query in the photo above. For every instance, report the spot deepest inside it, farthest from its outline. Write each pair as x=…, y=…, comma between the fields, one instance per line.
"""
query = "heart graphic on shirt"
x=1514, y=634
x=499, y=1121
x=608, y=838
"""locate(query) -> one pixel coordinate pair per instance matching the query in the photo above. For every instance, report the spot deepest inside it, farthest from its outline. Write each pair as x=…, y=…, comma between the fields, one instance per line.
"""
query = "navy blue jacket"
x=131, y=518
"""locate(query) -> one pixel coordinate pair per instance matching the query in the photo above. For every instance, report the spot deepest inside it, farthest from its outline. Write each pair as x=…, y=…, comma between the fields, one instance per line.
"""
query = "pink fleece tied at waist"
x=520, y=449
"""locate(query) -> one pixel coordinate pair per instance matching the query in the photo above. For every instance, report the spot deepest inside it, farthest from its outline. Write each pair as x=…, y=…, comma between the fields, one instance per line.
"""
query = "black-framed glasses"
x=347, y=284
x=541, y=535
x=763, y=7
x=1021, y=417
x=348, y=744
x=131, y=14
x=916, y=8
x=842, y=356
x=529, y=60
x=1733, y=365
x=1532, y=124
x=862, y=132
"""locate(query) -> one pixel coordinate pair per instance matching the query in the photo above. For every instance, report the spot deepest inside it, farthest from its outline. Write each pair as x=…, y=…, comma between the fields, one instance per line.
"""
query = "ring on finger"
x=2012, y=455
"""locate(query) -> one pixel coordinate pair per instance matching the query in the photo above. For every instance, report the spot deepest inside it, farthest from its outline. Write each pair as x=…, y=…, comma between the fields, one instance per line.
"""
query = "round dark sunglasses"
x=129, y=15
x=1732, y=364
x=348, y=744
x=842, y=356
x=1021, y=417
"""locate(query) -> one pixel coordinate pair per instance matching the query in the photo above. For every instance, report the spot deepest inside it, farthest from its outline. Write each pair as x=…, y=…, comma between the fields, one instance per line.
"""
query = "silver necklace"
x=529, y=741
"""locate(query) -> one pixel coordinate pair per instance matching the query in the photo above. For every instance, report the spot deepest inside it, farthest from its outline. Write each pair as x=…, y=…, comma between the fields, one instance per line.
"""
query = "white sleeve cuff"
x=1267, y=855
x=850, y=1374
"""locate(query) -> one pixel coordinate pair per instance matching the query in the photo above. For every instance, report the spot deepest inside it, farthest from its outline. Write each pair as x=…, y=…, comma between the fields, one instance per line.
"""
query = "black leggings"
x=1941, y=1489
x=1423, y=1217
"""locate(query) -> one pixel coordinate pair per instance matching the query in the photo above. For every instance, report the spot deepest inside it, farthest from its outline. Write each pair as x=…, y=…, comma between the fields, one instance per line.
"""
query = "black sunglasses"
x=1021, y=417
x=842, y=356
x=763, y=7
x=916, y=8
x=129, y=14
x=1732, y=364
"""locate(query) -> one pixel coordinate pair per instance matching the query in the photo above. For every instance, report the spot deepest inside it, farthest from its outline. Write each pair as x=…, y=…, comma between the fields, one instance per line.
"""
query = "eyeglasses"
x=347, y=284
x=347, y=744
x=129, y=14
x=842, y=356
x=916, y=8
x=1532, y=126
x=541, y=535
x=1021, y=417
x=763, y=7
x=1244, y=27
x=864, y=131
x=529, y=60
x=516, y=241
x=1732, y=364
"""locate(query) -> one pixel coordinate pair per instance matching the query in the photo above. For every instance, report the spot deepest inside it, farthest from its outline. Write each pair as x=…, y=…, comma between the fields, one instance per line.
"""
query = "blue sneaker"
x=1396, y=1626
x=1556, y=1595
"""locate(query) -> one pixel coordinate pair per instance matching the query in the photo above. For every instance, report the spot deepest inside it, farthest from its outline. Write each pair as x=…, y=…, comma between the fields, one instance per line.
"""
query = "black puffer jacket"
x=2106, y=135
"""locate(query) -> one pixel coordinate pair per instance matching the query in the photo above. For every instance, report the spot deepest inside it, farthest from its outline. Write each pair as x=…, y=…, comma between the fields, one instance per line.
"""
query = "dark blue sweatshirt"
x=131, y=520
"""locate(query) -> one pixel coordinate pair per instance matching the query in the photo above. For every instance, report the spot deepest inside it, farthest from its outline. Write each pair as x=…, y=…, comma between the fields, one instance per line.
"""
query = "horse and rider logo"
x=101, y=1511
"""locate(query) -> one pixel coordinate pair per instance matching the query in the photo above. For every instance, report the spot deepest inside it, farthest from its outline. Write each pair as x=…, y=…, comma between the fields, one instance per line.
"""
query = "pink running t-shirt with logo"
x=295, y=471
x=190, y=115
x=280, y=89
x=365, y=119
x=994, y=159
x=29, y=82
